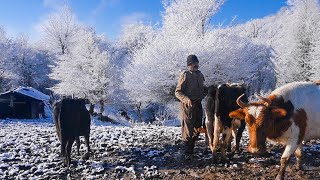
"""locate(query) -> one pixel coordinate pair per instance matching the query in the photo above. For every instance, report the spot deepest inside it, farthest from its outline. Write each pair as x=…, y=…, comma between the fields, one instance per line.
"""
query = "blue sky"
x=107, y=16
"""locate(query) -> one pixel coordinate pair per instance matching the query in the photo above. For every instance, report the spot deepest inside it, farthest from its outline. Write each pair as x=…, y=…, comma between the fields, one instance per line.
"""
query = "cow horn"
x=266, y=100
x=240, y=103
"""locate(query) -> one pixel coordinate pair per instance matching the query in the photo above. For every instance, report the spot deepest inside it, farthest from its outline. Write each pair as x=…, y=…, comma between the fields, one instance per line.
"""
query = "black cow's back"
x=73, y=118
x=227, y=96
x=210, y=100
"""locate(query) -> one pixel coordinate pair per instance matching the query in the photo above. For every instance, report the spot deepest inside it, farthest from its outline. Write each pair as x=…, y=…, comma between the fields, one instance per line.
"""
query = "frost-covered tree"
x=22, y=61
x=22, y=64
x=5, y=49
x=29, y=65
x=132, y=38
x=83, y=71
x=292, y=33
x=306, y=17
x=60, y=30
x=135, y=36
x=41, y=68
x=159, y=62
x=222, y=53
x=189, y=17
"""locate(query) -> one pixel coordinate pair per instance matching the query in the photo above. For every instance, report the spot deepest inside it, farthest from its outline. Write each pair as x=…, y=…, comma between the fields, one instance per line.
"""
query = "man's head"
x=192, y=63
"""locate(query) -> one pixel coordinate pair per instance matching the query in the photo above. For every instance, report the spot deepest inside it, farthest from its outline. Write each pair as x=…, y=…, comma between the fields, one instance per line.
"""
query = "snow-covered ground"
x=30, y=148
x=114, y=113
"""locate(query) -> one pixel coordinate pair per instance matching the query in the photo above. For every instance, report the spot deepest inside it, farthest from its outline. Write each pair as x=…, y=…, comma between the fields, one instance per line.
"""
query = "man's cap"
x=192, y=59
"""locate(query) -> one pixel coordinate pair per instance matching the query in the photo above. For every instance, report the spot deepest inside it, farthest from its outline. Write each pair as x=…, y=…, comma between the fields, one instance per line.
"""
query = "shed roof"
x=31, y=92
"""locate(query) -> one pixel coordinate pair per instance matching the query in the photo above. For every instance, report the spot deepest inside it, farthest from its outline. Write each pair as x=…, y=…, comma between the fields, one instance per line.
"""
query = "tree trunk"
x=138, y=106
x=91, y=109
x=101, y=108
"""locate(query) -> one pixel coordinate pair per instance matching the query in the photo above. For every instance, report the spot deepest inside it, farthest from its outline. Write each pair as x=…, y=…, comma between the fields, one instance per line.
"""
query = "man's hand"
x=189, y=103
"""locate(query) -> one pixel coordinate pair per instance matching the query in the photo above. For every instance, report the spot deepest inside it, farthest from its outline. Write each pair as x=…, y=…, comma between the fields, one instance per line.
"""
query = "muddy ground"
x=31, y=150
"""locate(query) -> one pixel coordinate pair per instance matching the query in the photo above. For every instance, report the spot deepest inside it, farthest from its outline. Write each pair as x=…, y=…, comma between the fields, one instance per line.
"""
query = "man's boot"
x=192, y=146
x=188, y=151
x=187, y=147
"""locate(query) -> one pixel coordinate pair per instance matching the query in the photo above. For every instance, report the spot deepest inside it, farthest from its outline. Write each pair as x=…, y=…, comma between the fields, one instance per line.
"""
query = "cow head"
x=259, y=117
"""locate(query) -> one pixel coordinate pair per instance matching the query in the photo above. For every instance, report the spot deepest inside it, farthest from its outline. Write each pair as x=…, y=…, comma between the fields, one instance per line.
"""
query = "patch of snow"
x=123, y=168
x=3, y=166
x=172, y=122
x=97, y=167
x=153, y=153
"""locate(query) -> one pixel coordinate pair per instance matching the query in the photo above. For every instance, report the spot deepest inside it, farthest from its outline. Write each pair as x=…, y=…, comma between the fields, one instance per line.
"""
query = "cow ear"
x=278, y=113
x=238, y=114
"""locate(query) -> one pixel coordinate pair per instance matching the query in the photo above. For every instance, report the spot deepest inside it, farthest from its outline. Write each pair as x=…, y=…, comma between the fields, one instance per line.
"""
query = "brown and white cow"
x=289, y=115
x=220, y=101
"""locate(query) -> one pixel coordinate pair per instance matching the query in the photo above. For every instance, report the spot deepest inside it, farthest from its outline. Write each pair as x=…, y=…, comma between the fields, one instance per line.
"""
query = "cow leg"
x=289, y=150
x=58, y=133
x=299, y=156
x=206, y=139
x=86, y=137
x=226, y=136
x=69, y=146
x=239, y=134
x=209, y=126
x=228, y=140
x=78, y=144
x=234, y=131
x=216, y=133
x=63, y=146
x=205, y=127
x=229, y=143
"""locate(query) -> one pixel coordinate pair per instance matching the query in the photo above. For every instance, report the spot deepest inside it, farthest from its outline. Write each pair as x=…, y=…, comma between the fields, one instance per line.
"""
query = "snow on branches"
x=223, y=55
x=83, y=71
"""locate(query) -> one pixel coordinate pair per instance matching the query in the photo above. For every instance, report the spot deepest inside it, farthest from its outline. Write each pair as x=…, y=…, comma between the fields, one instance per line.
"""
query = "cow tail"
x=60, y=115
x=56, y=115
x=216, y=102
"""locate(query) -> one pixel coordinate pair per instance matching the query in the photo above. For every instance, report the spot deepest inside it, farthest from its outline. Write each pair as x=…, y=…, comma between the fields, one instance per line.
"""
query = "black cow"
x=72, y=120
x=209, y=113
x=220, y=102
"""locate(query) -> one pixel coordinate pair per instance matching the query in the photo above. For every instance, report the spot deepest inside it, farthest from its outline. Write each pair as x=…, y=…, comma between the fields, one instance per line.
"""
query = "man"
x=41, y=110
x=190, y=91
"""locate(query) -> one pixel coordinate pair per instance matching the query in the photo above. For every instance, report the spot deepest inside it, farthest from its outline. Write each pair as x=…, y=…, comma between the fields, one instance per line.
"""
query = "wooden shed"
x=23, y=103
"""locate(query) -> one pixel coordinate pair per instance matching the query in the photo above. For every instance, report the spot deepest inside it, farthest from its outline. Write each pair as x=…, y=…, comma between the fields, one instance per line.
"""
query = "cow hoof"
x=237, y=151
x=299, y=168
x=279, y=177
x=86, y=156
x=214, y=159
x=188, y=157
x=65, y=162
x=205, y=152
x=62, y=155
x=229, y=149
x=224, y=160
x=230, y=156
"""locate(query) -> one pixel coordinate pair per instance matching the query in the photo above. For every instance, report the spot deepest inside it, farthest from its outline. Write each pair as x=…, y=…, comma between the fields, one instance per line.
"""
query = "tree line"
x=142, y=65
